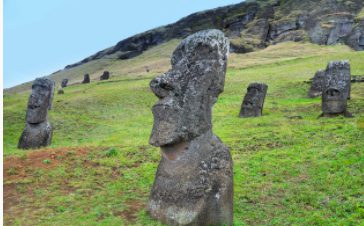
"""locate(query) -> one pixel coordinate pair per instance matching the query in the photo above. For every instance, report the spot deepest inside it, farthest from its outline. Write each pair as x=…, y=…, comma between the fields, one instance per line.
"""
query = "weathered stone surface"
x=337, y=75
x=194, y=180
x=38, y=131
x=86, y=78
x=60, y=91
x=64, y=83
x=334, y=102
x=105, y=76
x=253, y=102
x=36, y=136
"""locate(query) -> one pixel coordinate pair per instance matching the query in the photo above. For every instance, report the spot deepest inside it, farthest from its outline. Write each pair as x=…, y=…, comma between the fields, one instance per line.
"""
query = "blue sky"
x=43, y=36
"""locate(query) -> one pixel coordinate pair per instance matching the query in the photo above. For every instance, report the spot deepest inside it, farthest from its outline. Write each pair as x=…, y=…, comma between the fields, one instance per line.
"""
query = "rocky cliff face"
x=254, y=25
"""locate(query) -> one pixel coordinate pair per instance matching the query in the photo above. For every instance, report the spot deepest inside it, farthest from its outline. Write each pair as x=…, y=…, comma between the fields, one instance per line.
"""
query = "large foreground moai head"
x=336, y=74
x=188, y=91
x=253, y=102
x=38, y=131
x=86, y=78
x=40, y=100
x=194, y=181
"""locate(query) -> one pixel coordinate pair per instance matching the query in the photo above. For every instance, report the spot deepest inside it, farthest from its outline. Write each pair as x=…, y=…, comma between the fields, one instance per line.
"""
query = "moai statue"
x=60, y=92
x=38, y=131
x=86, y=78
x=337, y=74
x=105, y=75
x=194, y=181
x=253, y=102
x=334, y=102
x=64, y=83
x=318, y=82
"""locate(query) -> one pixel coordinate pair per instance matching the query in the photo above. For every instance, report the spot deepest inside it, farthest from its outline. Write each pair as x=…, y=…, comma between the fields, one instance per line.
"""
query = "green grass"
x=287, y=171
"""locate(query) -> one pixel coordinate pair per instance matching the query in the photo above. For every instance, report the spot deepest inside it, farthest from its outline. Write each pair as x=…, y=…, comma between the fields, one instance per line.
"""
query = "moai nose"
x=161, y=87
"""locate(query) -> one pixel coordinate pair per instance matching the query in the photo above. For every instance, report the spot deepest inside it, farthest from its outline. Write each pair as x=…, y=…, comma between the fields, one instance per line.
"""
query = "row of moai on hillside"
x=86, y=79
x=194, y=181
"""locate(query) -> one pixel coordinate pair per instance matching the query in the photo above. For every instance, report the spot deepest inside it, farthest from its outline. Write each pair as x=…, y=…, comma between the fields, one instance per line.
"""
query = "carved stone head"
x=253, y=102
x=187, y=92
x=334, y=101
x=40, y=100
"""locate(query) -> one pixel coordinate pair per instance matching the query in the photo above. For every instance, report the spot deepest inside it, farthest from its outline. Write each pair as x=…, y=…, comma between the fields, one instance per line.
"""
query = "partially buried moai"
x=105, y=76
x=38, y=131
x=337, y=74
x=64, y=83
x=253, y=102
x=194, y=181
x=334, y=102
x=86, y=78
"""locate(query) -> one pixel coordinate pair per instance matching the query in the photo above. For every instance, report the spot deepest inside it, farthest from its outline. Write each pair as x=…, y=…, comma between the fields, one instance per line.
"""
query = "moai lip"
x=38, y=132
x=194, y=181
x=252, y=105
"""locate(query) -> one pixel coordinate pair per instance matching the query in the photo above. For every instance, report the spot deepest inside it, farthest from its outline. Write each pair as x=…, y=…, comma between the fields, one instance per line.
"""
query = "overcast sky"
x=43, y=36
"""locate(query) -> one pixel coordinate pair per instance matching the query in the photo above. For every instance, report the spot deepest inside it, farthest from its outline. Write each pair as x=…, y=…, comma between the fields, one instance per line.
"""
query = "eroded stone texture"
x=64, y=83
x=86, y=78
x=253, y=102
x=334, y=102
x=105, y=76
x=194, y=180
x=337, y=75
x=38, y=131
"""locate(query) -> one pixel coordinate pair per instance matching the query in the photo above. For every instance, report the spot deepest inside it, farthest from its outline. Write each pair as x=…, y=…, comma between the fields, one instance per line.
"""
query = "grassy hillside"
x=290, y=167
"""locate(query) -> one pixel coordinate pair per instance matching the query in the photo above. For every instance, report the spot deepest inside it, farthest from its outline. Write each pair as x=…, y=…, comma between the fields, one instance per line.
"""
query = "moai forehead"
x=40, y=100
x=188, y=91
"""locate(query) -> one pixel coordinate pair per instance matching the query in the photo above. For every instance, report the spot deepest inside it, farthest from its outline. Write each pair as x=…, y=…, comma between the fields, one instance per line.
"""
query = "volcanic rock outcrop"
x=194, y=181
x=38, y=131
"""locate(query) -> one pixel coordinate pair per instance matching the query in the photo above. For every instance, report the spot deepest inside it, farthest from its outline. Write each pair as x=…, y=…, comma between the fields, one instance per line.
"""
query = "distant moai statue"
x=194, y=181
x=334, y=102
x=38, y=131
x=64, y=83
x=60, y=91
x=253, y=102
x=105, y=76
x=337, y=74
x=86, y=78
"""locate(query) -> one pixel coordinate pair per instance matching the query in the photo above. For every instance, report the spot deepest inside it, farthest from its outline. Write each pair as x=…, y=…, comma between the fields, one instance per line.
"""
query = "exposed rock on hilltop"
x=253, y=25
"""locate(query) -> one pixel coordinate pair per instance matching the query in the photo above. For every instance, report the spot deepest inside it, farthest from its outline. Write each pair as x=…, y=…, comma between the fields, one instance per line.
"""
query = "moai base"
x=64, y=83
x=194, y=181
x=253, y=102
x=105, y=76
x=334, y=103
x=337, y=74
x=86, y=78
x=38, y=131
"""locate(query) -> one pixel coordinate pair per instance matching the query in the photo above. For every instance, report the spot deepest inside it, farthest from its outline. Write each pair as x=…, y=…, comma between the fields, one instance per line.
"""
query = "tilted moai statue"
x=64, y=83
x=253, y=102
x=105, y=76
x=334, y=102
x=337, y=74
x=194, y=181
x=38, y=131
x=86, y=78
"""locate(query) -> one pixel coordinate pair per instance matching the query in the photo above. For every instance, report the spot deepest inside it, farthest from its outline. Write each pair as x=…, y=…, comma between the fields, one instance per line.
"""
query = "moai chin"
x=336, y=74
x=194, y=181
x=253, y=102
x=334, y=102
x=64, y=83
x=105, y=76
x=38, y=131
x=86, y=78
